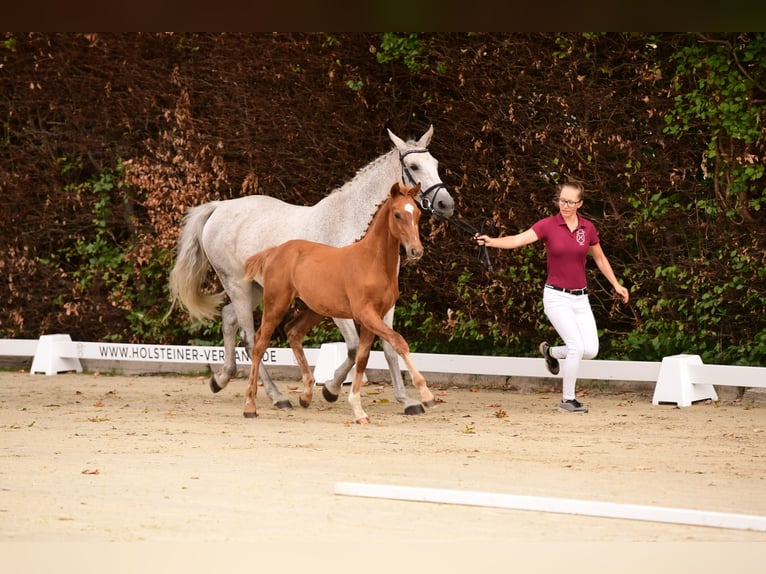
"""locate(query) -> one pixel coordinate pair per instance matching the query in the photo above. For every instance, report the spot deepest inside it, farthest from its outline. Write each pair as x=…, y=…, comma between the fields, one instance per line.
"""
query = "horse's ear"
x=398, y=142
x=426, y=138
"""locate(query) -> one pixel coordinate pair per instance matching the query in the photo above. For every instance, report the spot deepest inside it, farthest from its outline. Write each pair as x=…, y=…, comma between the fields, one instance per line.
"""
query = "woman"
x=568, y=239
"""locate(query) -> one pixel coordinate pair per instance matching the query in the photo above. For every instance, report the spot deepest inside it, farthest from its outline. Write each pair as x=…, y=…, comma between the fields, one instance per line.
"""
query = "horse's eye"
x=414, y=167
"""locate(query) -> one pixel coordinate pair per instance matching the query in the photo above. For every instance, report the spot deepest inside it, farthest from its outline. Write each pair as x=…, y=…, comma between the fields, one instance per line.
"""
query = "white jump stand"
x=675, y=384
x=330, y=357
x=47, y=359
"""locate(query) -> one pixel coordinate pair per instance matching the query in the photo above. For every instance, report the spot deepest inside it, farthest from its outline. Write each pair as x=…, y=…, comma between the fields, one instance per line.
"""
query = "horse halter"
x=426, y=203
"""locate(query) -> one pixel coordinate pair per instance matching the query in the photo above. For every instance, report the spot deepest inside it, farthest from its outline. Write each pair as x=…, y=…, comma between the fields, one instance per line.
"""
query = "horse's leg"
x=366, y=338
x=245, y=298
x=411, y=406
x=400, y=346
x=419, y=381
x=237, y=314
x=331, y=389
x=219, y=380
x=296, y=330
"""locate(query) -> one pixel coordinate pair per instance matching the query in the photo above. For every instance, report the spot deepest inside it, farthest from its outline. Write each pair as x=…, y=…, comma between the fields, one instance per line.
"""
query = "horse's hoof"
x=250, y=415
x=214, y=385
x=414, y=410
x=328, y=396
x=283, y=404
x=363, y=421
x=430, y=404
x=304, y=403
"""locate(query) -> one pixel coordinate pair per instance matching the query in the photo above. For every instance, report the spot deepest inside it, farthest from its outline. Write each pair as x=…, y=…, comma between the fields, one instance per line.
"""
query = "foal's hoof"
x=304, y=403
x=283, y=404
x=430, y=404
x=363, y=421
x=214, y=385
x=415, y=410
x=250, y=415
x=328, y=396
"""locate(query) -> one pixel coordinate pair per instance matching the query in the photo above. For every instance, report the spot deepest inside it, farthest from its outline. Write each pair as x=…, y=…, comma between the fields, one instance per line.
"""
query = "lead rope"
x=487, y=225
x=487, y=228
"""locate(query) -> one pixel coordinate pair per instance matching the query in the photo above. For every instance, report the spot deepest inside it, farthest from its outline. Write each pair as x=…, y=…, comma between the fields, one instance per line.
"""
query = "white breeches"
x=572, y=317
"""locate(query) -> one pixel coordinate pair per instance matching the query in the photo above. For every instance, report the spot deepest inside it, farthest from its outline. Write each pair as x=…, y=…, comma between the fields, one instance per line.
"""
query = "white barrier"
x=679, y=379
x=684, y=379
x=18, y=347
x=558, y=505
x=54, y=354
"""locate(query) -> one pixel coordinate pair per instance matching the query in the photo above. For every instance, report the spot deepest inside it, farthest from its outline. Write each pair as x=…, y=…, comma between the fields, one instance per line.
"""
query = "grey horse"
x=222, y=234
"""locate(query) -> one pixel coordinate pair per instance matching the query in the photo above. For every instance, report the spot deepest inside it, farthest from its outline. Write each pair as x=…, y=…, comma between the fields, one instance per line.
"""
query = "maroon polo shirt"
x=566, y=250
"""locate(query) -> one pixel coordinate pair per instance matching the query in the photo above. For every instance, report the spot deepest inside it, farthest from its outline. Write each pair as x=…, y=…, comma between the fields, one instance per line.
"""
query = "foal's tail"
x=255, y=263
x=191, y=267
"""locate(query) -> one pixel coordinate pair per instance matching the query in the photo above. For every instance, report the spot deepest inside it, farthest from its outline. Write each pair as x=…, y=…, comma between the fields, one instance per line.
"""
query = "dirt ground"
x=160, y=463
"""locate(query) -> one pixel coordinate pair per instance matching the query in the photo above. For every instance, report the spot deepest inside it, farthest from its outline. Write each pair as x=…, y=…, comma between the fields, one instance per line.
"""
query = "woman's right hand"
x=482, y=239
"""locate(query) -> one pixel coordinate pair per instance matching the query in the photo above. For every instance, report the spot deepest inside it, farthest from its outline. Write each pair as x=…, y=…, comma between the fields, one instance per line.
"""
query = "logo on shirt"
x=580, y=237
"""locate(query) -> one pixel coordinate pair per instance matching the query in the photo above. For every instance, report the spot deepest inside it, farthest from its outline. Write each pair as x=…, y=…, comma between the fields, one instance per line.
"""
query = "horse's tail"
x=255, y=263
x=191, y=267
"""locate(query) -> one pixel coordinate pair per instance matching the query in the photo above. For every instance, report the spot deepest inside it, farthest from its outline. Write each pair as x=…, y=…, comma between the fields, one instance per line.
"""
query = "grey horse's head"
x=420, y=167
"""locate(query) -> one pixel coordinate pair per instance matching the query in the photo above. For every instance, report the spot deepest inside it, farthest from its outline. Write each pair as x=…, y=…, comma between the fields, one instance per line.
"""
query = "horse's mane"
x=362, y=171
x=374, y=214
x=371, y=166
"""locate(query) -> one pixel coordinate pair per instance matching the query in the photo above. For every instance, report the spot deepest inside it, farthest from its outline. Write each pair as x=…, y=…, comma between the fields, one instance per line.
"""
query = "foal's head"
x=404, y=219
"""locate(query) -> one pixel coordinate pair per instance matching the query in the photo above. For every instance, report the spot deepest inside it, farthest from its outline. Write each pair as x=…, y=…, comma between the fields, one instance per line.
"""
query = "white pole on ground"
x=557, y=505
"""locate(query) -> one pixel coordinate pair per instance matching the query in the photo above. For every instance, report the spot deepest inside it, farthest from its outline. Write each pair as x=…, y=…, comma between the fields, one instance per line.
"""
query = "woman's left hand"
x=623, y=292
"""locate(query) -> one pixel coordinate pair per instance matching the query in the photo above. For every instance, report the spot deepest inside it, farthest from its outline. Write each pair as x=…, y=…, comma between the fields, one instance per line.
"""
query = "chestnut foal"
x=359, y=281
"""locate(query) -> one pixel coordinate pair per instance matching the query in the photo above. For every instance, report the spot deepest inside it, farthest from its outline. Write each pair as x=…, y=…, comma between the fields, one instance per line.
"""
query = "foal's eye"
x=397, y=215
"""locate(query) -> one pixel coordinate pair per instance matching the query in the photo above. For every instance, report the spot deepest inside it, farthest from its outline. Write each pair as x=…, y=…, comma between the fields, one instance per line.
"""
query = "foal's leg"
x=252, y=382
x=259, y=346
x=219, y=380
x=366, y=338
x=277, y=398
x=239, y=313
x=397, y=342
x=296, y=330
x=331, y=389
x=403, y=349
x=269, y=321
x=411, y=406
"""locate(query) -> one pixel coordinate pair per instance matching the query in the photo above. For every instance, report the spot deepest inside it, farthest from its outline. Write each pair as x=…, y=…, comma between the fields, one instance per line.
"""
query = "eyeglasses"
x=568, y=203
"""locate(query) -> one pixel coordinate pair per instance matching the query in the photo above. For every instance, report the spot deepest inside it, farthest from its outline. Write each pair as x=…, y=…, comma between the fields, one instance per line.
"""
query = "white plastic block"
x=330, y=357
x=48, y=359
x=675, y=384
